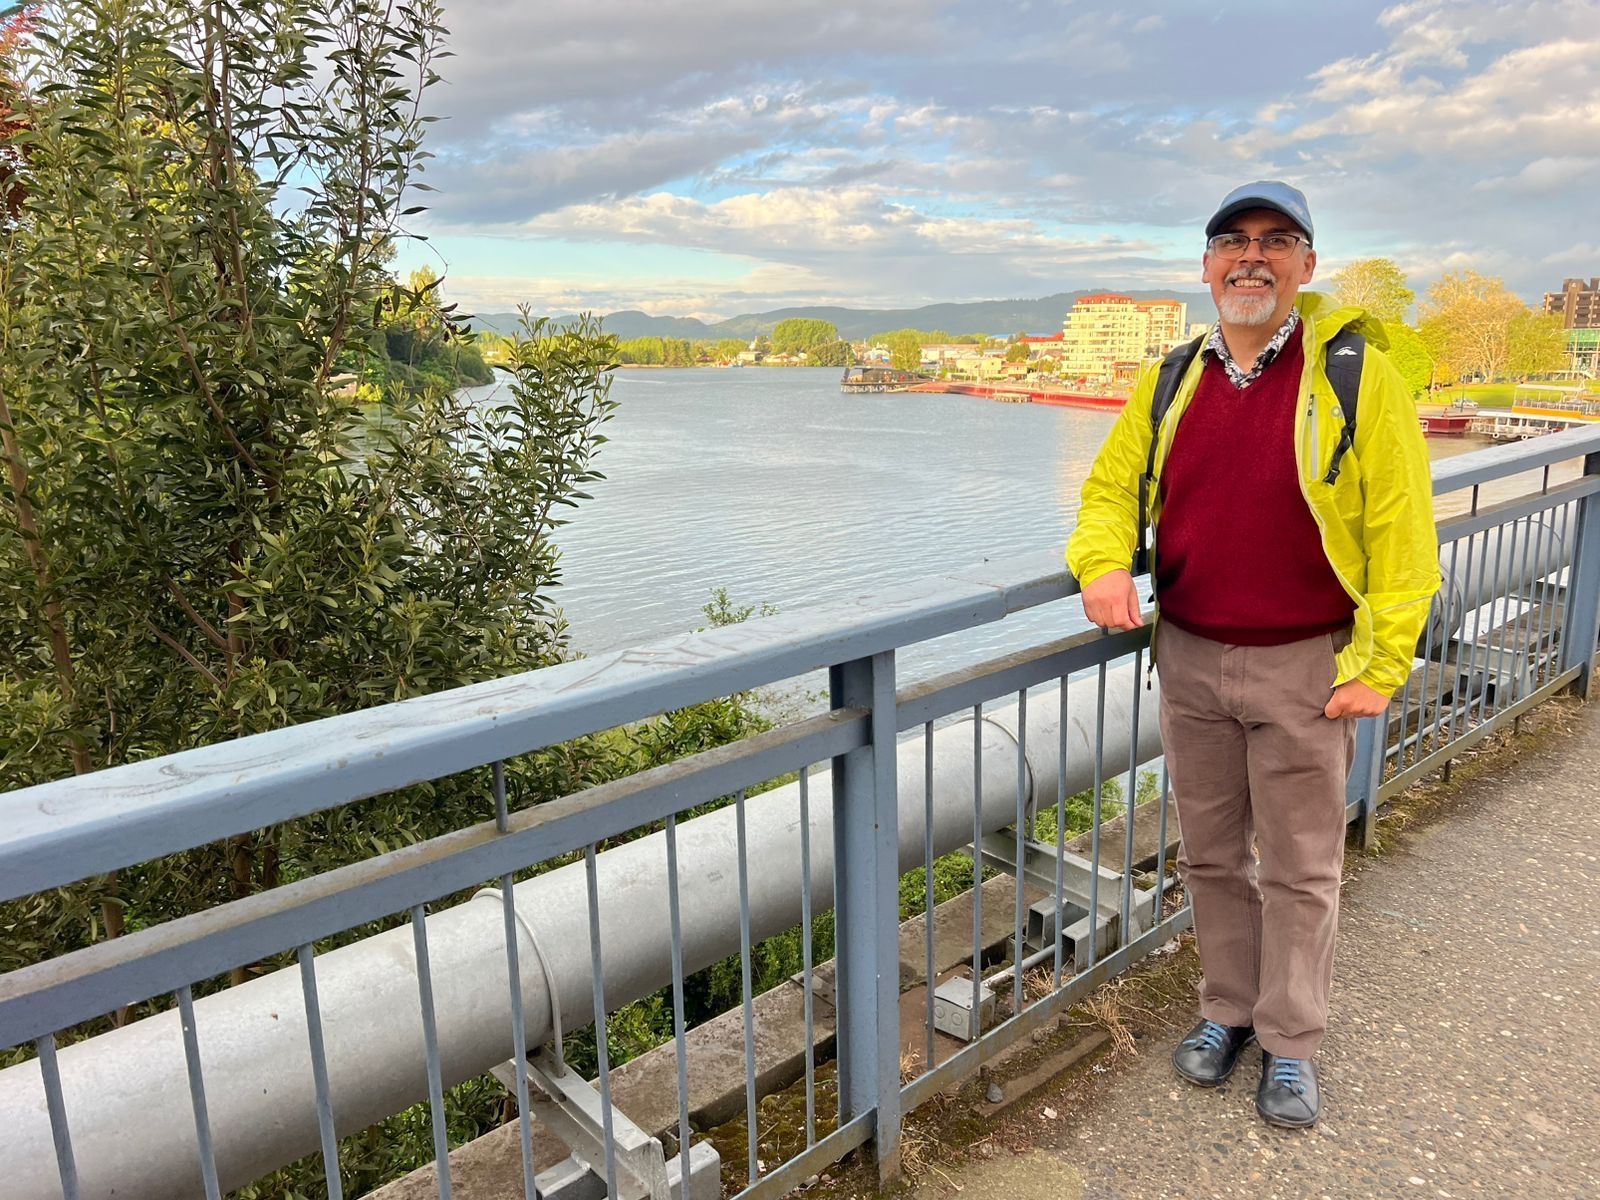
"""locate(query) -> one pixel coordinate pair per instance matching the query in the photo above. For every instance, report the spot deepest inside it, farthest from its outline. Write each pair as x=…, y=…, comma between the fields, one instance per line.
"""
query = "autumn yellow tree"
x=1467, y=323
x=1377, y=285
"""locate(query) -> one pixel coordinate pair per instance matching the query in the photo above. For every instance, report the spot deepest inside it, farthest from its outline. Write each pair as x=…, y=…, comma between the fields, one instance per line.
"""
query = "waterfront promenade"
x=1465, y=1027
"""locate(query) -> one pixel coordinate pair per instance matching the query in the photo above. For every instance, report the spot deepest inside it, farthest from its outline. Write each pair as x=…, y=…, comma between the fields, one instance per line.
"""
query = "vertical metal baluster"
x=1467, y=657
x=977, y=867
x=1521, y=660
x=197, y=1094
x=744, y=978
x=1161, y=846
x=519, y=1032
x=1533, y=584
x=1022, y=850
x=1488, y=648
x=1061, y=833
x=1449, y=666
x=1416, y=738
x=1559, y=578
x=1094, y=828
x=1480, y=654
x=319, y=1071
x=430, y=1041
x=602, y=1049
x=1399, y=720
x=1544, y=487
x=679, y=1032
x=1474, y=511
x=55, y=1102
x=1549, y=586
x=1532, y=615
x=1525, y=632
x=1131, y=802
x=805, y=956
x=928, y=897
x=1502, y=687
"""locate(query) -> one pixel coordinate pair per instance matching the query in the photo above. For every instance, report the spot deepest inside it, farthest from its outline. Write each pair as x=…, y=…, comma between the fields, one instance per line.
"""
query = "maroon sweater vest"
x=1238, y=555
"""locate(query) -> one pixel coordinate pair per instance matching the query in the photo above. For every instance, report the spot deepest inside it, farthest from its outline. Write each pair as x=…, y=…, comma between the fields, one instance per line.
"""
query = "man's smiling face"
x=1253, y=289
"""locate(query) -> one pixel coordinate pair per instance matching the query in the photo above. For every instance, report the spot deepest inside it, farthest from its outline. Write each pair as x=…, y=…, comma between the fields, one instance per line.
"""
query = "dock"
x=1016, y=393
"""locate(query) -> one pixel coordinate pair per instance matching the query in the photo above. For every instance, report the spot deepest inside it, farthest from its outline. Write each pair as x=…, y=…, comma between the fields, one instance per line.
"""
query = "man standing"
x=1293, y=565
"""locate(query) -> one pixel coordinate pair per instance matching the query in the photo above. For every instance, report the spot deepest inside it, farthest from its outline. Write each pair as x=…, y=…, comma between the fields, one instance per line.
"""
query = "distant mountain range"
x=995, y=317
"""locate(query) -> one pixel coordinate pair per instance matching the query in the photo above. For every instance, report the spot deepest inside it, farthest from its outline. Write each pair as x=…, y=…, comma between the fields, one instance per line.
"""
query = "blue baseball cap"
x=1264, y=193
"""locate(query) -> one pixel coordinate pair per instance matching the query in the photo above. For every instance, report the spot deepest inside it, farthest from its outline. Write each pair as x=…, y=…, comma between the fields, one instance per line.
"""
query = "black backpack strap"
x=1170, y=375
x=1347, y=351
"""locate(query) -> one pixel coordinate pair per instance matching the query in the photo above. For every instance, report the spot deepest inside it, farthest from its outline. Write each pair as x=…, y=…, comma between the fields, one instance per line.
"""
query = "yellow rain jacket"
x=1376, y=518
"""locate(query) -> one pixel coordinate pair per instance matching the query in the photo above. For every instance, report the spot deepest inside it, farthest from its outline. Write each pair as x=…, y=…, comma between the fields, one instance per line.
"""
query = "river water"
x=773, y=484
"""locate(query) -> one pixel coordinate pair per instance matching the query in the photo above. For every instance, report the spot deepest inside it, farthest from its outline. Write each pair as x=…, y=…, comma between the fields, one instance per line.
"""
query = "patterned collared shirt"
x=1240, y=377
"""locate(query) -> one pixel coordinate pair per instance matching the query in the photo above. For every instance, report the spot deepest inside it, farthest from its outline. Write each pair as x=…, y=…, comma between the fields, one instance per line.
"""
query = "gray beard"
x=1236, y=310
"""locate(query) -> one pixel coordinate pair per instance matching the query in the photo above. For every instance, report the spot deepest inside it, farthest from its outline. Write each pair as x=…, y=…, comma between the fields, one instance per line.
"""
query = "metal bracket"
x=569, y=1107
x=1039, y=870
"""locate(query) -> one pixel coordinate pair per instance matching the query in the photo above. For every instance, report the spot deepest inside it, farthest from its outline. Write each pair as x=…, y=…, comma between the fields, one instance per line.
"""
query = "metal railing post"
x=866, y=889
x=1366, y=776
x=1582, y=625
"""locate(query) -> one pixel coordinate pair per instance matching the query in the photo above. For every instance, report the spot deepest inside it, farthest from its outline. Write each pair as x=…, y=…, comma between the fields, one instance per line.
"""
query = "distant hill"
x=997, y=317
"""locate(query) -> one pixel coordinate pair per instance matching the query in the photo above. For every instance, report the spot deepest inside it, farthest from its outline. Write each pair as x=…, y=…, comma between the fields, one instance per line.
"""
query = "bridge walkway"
x=1465, y=1037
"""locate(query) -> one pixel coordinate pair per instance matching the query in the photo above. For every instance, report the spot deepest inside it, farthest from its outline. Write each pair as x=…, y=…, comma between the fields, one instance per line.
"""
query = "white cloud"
x=927, y=148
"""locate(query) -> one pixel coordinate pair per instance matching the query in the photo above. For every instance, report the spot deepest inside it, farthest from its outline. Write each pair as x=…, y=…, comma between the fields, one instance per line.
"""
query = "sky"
x=729, y=156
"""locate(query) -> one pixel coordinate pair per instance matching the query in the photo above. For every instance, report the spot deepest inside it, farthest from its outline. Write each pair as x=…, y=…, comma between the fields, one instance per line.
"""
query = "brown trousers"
x=1258, y=771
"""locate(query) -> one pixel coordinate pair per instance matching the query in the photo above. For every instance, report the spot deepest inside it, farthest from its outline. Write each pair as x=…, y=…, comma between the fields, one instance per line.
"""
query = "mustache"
x=1250, y=273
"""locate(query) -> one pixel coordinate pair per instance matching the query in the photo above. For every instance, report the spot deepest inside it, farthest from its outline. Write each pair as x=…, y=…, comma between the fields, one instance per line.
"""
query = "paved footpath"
x=1463, y=1057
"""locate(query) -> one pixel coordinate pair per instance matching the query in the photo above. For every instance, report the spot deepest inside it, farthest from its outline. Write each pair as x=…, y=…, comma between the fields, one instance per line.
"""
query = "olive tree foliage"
x=199, y=538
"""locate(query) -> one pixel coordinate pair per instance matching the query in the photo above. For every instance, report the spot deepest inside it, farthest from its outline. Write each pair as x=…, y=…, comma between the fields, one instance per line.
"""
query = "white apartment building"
x=1100, y=332
x=1167, y=319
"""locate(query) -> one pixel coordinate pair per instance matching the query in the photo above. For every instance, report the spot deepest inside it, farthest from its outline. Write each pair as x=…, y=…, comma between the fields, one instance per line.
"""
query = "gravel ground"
x=1464, y=1049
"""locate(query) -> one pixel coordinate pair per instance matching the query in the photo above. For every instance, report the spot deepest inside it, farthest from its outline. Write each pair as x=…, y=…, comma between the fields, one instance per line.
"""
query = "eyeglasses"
x=1273, y=245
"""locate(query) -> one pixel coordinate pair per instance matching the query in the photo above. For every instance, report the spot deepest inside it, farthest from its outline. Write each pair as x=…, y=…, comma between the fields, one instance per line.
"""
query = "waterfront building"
x=937, y=355
x=1577, y=303
x=1166, y=320
x=1102, y=330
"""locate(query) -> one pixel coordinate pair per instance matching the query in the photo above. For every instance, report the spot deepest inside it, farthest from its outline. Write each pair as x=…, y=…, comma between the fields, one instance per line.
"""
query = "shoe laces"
x=1286, y=1074
x=1211, y=1036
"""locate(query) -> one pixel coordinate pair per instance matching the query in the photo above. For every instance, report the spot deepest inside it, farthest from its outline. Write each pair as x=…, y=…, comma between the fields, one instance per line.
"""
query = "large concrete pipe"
x=127, y=1094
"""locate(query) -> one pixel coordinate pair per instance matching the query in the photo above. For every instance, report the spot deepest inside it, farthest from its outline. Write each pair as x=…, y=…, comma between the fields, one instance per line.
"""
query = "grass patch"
x=1484, y=395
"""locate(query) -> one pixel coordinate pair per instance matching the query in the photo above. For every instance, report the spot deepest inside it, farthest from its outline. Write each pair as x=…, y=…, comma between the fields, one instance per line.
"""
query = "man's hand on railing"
x=1355, y=699
x=1112, y=602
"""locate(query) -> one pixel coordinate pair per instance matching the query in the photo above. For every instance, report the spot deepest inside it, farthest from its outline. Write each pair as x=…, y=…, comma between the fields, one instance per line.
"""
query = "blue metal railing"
x=1525, y=576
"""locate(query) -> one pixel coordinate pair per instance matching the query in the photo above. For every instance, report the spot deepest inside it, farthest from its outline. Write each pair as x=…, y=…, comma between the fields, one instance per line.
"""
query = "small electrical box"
x=952, y=1009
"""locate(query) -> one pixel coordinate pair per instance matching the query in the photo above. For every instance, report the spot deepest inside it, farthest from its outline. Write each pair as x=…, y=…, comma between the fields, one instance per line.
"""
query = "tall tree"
x=1411, y=356
x=1538, y=344
x=1377, y=285
x=905, y=348
x=1467, y=321
x=796, y=334
x=200, y=538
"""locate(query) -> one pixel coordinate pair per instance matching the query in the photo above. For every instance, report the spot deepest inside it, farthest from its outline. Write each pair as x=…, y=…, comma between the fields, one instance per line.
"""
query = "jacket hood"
x=1328, y=317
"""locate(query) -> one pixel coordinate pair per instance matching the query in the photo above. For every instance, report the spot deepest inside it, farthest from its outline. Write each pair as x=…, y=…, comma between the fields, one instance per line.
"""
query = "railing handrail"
x=56, y=833
x=1496, y=462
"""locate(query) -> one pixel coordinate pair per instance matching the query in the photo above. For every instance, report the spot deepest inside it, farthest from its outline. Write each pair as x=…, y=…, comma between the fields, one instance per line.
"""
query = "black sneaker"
x=1288, y=1094
x=1208, y=1055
